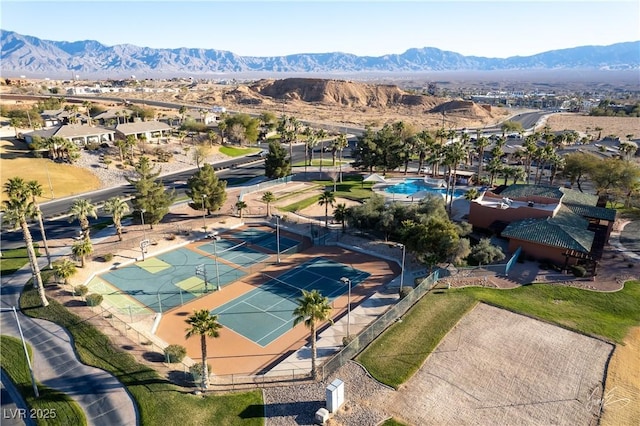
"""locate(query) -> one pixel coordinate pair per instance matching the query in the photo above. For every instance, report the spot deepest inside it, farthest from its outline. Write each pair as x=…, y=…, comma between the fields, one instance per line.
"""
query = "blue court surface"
x=170, y=279
x=266, y=313
x=265, y=239
x=236, y=253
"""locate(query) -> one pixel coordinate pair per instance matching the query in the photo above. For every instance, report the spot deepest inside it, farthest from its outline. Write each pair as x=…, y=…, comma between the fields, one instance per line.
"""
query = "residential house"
x=80, y=134
x=149, y=129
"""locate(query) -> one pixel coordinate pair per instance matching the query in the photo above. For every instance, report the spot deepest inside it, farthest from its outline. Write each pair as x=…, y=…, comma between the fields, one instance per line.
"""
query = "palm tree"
x=205, y=324
x=454, y=154
x=117, y=208
x=18, y=209
x=310, y=143
x=64, y=269
x=268, y=198
x=327, y=198
x=35, y=189
x=340, y=214
x=81, y=249
x=321, y=134
x=82, y=209
x=312, y=308
x=240, y=206
x=341, y=143
x=471, y=194
x=480, y=144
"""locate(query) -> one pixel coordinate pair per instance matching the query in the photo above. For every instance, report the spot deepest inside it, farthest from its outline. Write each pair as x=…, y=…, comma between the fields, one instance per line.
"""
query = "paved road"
x=14, y=409
x=104, y=400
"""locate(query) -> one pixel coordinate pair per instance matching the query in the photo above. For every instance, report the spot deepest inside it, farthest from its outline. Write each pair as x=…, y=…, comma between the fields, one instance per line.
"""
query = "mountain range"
x=27, y=55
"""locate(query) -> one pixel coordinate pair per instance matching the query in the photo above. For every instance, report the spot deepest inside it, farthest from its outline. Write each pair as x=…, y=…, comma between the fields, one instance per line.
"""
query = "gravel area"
x=297, y=405
x=113, y=176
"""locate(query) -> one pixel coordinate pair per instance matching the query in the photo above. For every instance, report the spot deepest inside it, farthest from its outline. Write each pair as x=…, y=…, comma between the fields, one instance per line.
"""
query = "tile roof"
x=592, y=211
x=70, y=131
x=522, y=191
x=548, y=232
x=566, y=217
x=142, y=126
x=577, y=197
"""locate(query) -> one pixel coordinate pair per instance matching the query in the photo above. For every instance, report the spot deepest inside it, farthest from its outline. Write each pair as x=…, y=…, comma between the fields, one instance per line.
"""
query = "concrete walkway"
x=103, y=399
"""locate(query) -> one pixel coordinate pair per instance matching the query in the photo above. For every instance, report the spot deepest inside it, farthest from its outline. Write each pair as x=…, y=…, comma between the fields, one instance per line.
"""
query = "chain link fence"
x=376, y=328
x=263, y=185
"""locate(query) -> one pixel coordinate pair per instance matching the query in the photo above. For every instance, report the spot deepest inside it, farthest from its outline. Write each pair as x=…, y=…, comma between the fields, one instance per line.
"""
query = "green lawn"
x=401, y=350
x=159, y=401
x=351, y=187
x=608, y=315
x=232, y=151
x=14, y=259
x=302, y=204
x=64, y=410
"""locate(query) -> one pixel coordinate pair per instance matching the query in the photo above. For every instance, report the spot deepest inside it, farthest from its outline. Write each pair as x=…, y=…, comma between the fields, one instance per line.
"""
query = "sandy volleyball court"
x=497, y=367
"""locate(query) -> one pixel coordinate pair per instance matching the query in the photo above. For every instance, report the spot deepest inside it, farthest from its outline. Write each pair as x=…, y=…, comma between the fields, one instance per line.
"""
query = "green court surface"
x=193, y=285
x=266, y=313
x=114, y=297
x=153, y=265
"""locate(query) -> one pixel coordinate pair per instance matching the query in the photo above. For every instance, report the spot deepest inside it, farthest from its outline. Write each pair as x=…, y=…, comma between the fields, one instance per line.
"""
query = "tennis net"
x=276, y=282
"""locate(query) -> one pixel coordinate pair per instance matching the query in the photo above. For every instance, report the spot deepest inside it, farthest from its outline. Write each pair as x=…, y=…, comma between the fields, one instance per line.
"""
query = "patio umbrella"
x=373, y=178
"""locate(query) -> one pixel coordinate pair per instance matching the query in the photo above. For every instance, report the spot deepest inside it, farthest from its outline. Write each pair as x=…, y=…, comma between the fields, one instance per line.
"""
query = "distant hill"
x=22, y=54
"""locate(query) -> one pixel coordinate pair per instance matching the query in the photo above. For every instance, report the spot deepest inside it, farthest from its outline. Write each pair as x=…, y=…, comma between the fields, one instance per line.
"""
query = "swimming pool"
x=411, y=186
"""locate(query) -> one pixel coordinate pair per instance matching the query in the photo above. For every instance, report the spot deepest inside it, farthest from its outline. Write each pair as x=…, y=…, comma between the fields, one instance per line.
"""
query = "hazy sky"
x=266, y=28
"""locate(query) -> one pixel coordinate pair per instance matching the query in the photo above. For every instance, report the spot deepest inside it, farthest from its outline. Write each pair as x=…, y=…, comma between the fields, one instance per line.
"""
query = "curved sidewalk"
x=103, y=399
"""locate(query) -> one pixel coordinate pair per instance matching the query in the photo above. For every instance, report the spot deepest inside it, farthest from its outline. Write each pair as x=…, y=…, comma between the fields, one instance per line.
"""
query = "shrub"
x=80, y=290
x=404, y=291
x=94, y=299
x=196, y=372
x=347, y=339
x=578, y=271
x=107, y=257
x=174, y=353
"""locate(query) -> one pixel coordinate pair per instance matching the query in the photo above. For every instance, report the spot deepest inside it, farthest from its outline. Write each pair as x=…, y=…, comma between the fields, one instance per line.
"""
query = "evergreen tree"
x=151, y=195
x=276, y=164
x=206, y=190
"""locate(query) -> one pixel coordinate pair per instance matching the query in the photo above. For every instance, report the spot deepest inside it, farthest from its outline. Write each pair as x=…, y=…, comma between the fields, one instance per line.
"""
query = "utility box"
x=335, y=395
x=322, y=415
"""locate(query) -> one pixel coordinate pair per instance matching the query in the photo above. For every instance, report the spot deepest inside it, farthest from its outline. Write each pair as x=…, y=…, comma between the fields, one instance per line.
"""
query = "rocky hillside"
x=341, y=92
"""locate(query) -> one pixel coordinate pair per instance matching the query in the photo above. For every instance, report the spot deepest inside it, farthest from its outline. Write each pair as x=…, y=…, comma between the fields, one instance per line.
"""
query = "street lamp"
x=144, y=243
x=142, y=212
x=216, y=238
x=400, y=245
x=204, y=213
x=345, y=280
x=277, y=238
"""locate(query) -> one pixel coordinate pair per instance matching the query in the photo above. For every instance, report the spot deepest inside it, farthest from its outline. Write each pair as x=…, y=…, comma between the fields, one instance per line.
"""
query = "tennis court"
x=265, y=239
x=266, y=313
x=230, y=251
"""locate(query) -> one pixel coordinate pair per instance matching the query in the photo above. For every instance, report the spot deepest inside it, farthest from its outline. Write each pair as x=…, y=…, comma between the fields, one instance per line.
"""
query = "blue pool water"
x=411, y=186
